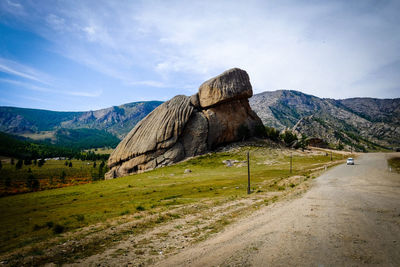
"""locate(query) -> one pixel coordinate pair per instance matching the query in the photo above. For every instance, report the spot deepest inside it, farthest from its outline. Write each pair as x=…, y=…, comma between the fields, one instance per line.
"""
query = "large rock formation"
x=188, y=126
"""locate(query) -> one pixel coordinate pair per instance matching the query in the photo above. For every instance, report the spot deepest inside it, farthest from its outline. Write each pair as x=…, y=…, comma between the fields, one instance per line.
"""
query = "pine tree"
x=41, y=162
x=62, y=177
x=102, y=169
x=32, y=182
x=19, y=164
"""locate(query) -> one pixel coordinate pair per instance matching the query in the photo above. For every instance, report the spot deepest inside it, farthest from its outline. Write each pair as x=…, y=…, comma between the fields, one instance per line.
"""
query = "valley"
x=68, y=224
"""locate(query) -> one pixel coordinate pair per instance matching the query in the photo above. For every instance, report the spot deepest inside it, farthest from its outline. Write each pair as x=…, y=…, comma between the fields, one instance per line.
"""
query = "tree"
x=19, y=164
x=303, y=142
x=288, y=137
x=62, y=177
x=272, y=133
x=102, y=170
x=7, y=181
x=41, y=162
x=32, y=182
x=340, y=146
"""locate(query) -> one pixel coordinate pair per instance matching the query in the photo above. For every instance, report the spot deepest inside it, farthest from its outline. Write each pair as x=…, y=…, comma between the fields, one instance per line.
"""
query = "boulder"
x=226, y=119
x=230, y=85
x=188, y=126
x=155, y=135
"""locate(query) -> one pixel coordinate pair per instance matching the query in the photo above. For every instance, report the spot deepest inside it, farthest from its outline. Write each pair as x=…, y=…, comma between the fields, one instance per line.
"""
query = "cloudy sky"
x=91, y=54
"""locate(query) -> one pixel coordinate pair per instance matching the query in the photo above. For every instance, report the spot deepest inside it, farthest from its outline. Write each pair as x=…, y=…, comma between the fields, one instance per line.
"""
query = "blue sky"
x=92, y=54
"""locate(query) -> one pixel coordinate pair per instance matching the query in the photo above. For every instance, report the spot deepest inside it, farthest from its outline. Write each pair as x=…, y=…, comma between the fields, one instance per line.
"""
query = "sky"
x=92, y=54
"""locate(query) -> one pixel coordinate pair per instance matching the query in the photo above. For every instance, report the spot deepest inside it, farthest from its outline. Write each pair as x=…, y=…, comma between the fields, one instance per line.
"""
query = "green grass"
x=394, y=163
x=48, y=175
x=32, y=217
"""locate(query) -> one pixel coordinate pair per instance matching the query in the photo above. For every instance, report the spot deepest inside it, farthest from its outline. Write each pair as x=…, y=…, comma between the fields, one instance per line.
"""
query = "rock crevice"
x=188, y=126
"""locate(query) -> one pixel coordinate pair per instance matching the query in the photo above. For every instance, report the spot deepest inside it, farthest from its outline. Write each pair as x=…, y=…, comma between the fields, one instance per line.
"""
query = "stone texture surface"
x=155, y=134
x=225, y=119
x=188, y=126
x=230, y=85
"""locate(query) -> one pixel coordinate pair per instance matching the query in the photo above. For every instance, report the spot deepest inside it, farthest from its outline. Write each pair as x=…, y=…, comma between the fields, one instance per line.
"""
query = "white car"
x=350, y=161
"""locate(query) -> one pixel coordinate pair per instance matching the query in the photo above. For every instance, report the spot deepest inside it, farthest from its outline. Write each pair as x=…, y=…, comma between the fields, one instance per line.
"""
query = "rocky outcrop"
x=230, y=85
x=188, y=126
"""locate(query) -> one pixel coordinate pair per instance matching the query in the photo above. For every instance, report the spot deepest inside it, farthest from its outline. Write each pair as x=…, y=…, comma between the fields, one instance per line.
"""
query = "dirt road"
x=351, y=216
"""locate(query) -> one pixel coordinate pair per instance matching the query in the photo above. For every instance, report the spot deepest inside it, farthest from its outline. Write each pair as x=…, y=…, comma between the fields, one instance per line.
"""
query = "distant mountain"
x=364, y=123
x=102, y=127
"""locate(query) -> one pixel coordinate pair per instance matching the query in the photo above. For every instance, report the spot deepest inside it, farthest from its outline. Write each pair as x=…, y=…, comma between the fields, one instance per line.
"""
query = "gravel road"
x=350, y=217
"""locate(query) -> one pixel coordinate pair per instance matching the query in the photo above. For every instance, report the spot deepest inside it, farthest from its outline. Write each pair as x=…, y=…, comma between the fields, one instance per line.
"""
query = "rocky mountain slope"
x=364, y=123
x=57, y=126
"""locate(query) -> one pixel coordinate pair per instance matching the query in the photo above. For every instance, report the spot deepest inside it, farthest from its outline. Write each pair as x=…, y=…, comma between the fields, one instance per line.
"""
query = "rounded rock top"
x=230, y=85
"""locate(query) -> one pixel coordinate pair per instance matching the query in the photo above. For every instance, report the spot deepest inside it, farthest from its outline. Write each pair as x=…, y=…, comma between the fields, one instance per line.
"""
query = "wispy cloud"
x=323, y=48
x=29, y=86
x=157, y=84
x=22, y=71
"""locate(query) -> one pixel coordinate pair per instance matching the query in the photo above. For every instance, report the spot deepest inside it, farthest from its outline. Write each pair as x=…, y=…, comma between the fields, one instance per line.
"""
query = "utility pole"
x=248, y=173
x=291, y=156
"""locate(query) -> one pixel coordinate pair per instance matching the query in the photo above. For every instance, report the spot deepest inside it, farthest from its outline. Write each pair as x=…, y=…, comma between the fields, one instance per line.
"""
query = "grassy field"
x=49, y=176
x=29, y=218
x=394, y=163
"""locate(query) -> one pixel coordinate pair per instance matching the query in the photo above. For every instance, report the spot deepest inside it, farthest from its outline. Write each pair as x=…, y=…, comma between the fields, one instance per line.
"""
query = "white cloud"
x=322, y=48
x=17, y=69
x=30, y=86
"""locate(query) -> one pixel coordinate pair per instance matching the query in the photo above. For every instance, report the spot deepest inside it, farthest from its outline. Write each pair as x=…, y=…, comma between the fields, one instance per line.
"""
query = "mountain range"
x=104, y=127
x=362, y=123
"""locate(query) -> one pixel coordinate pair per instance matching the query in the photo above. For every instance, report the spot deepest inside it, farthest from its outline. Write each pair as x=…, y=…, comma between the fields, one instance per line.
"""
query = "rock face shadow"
x=188, y=126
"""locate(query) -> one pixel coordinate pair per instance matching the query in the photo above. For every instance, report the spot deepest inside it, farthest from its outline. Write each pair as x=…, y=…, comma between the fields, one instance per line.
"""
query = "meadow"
x=30, y=218
x=53, y=174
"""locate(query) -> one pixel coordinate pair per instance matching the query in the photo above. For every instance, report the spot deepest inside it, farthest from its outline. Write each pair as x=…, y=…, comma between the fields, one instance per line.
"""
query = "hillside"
x=364, y=123
x=62, y=128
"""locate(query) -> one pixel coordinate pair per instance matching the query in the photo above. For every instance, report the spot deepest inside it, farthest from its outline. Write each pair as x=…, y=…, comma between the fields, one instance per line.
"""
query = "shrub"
x=272, y=133
x=140, y=208
x=124, y=212
x=58, y=229
x=80, y=217
x=288, y=137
